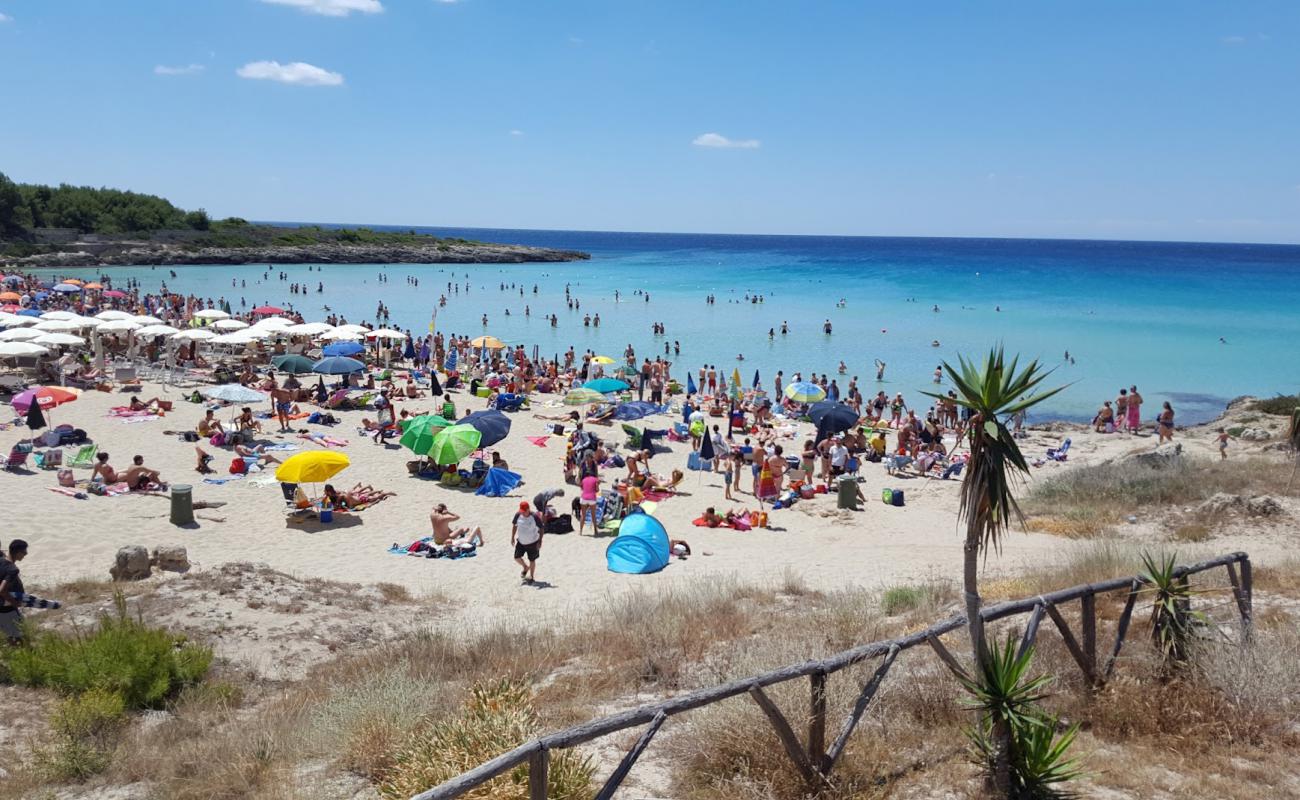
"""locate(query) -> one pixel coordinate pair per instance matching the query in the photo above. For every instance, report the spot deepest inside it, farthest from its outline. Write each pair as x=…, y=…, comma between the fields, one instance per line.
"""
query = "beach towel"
x=32, y=601
x=220, y=481
x=657, y=496
x=279, y=446
x=127, y=413
x=323, y=440
x=540, y=441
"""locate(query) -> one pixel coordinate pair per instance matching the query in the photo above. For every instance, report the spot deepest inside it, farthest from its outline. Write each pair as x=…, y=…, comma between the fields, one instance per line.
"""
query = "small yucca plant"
x=1173, y=623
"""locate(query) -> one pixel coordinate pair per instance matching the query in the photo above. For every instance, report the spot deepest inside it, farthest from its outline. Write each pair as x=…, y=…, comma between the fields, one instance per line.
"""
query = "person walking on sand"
x=526, y=535
x=1135, y=410
x=1222, y=440
x=11, y=585
x=1165, y=423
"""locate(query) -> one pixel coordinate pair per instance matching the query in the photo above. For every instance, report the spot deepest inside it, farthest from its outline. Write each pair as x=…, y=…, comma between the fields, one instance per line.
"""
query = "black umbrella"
x=435, y=388
x=831, y=417
x=494, y=425
x=706, y=447
x=35, y=419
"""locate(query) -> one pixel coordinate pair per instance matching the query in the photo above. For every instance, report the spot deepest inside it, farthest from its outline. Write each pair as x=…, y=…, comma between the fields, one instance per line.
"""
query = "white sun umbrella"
x=113, y=315
x=229, y=324
x=273, y=322
x=21, y=349
x=57, y=325
x=309, y=329
x=145, y=319
x=157, y=330
x=362, y=329
x=127, y=324
x=256, y=333
x=385, y=333
x=339, y=334
x=6, y=317
x=59, y=339
x=87, y=322
x=20, y=334
x=58, y=315
x=197, y=334
x=20, y=320
x=211, y=313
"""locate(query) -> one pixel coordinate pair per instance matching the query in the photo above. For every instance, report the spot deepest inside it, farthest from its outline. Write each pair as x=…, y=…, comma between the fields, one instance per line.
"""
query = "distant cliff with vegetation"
x=84, y=226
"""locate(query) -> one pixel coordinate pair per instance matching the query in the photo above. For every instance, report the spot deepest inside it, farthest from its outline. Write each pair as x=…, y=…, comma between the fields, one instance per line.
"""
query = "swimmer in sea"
x=880, y=370
x=844, y=368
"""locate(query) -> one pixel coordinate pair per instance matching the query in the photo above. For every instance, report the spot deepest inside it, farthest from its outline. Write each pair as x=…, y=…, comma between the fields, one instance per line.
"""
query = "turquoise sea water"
x=1150, y=314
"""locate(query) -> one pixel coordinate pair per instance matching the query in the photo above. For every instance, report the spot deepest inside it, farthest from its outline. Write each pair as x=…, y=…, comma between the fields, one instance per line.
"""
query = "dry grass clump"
x=1089, y=500
x=929, y=598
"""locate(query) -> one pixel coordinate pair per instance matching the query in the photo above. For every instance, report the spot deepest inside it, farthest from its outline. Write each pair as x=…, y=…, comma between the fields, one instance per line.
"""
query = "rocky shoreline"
x=440, y=252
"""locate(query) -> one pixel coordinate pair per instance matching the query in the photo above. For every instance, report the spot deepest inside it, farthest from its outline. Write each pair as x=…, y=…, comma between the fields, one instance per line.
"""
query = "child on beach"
x=1222, y=440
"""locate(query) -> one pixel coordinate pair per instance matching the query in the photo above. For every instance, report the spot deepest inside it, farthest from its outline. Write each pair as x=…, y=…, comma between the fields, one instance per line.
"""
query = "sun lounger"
x=1059, y=453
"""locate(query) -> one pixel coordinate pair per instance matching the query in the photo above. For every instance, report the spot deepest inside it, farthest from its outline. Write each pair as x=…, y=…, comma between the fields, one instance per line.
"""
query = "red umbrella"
x=45, y=397
x=10, y=308
x=268, y=310
x=115, y=294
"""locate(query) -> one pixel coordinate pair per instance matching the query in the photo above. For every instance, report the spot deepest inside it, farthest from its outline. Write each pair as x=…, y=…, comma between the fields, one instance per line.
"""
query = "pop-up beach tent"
x=641, y=546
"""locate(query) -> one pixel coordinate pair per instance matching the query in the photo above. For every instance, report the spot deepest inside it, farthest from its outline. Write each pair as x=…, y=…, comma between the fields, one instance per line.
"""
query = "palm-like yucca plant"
x=993, y=391
x=1172, y=621
x=1041, y=761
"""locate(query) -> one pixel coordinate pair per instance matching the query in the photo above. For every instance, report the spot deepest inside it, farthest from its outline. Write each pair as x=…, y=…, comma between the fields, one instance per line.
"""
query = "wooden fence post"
x=616, y=778
x=817, y=721
x=1088, y=619
x=1031, y=629
x=539, y=767
x=1124, y=619
x=786, y=734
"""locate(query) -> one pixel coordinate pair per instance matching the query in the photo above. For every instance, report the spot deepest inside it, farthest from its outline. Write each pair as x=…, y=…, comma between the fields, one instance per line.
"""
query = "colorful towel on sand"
x=279, y=446
x=657, y=496
x=69, y=491
x=425, y=548
x=220, y=481
x=736, y=523
x=540, y=441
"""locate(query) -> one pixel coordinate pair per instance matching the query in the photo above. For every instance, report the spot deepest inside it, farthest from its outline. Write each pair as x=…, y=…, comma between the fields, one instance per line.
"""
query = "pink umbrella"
x=114, y=293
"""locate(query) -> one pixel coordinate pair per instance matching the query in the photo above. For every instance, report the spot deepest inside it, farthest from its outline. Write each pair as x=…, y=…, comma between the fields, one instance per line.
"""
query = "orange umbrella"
x=44, y=396
x=93, y=286
x=10, y=297
x=74, y=281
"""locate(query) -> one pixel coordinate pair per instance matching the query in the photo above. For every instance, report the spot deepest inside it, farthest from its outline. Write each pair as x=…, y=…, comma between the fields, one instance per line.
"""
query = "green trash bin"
x=182, y=504
x=848, y=493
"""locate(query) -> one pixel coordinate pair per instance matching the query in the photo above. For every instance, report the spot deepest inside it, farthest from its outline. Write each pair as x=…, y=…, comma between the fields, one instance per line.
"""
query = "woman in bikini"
x=1166, y=424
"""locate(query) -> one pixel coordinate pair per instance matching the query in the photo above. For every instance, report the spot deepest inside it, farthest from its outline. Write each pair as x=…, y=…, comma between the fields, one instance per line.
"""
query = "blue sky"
x=1159, y=119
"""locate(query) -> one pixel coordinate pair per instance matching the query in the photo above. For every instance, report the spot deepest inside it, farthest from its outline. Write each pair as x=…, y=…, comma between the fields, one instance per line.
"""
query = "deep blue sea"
x=1150, y=314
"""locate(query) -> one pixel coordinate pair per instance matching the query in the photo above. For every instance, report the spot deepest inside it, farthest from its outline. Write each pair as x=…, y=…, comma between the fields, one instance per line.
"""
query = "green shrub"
x=498, y=717
x=1283, y=405
x=85, y=729
x=898, y=599
x=143, y=665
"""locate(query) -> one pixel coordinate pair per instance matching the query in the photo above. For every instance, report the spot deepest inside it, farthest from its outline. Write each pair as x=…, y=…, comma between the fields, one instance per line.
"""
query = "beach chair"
x=18, y=456
x=48, y=459
x=85, y=457
x=126, y=378
x=1059, y=453
x=897, y=463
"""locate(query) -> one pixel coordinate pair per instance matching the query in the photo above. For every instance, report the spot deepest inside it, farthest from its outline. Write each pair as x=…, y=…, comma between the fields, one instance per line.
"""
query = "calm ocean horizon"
x=1196, y=324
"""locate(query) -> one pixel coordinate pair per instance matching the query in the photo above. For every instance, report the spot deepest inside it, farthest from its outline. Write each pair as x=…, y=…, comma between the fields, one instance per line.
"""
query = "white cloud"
x=188, y=69
x=1234, y=40
x=446, y=2
x=332, y=8
x=718, y=140
x=6, y=18
x=516, y=132
x=296, y=73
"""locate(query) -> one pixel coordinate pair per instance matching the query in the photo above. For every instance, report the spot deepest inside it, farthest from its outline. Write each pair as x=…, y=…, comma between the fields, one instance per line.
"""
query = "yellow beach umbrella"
x=735, y=376
x=490, y=342
x=314, y=466
x=602, y=360
x=74, y=281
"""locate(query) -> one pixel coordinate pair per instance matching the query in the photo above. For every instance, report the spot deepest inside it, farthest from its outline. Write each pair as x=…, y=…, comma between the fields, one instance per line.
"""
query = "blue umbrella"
x=67, y=288
x=606, y=385
x=450, y=365
x=494, y=425
x=343, y=349
x=338, y=365
x=690, y=385
x=42, y=295
x=47, y=284
x=29, y=312
x=13, y=279
x=706, y=448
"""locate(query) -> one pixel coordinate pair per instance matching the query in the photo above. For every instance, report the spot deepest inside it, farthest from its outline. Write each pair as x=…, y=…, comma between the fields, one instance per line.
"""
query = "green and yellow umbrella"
x=602, y=360
x=451, y=445
x=583, y=397
x=420, y=432
x=314, y=466
x=805, y=392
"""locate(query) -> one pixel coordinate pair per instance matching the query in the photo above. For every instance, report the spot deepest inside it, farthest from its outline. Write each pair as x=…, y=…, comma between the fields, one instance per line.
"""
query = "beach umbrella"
x=29, y=312
x=67, y=288
x=690, y=385
x=451, y=445
x=494, y=425
x=233, y=393
x=157, y=330
x=95, y=286
x=755, y=379
x=74, y=281
x=354, y=328
x=309, y=329
x=35, y=419
x=20, y=334
x=706, y=448
x=602, y=360
x=274, y=323
x=59, y=315
x=44, y=396
x=450, y=364
x=58, y=339
x=9, y=349
x=267, y=310
x=229, y=324
x=211, y=313
x=145, y=319
x=490, y=342
x=385, y=333
x=831, y=417
x=197, y=334
x=56, y=326
x=435, y=388
x=805, y=392
x=116, y=294
x=735, y=376
x=120, y=325
x=343, y=349
x=606, y=385
x=337, y=365
x=20, y=319
x=10, y=297
x=420, y=431
x=583, y=397
x=252, y=332
x=338, y=334
x=293, y=364
x=113, y=315
x=13, y=279
x=238, y=337
x=314, y=466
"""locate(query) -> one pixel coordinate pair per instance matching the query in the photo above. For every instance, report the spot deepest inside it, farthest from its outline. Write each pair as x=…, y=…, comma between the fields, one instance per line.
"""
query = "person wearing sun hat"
x=526, y=531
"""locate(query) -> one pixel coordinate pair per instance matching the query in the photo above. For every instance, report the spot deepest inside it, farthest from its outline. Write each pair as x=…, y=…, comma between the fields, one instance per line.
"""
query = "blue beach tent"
x=499, y=482
x=641, y=546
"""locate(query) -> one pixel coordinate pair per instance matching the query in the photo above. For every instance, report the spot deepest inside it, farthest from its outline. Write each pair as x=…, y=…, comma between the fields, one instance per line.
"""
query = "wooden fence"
x=811, y=757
